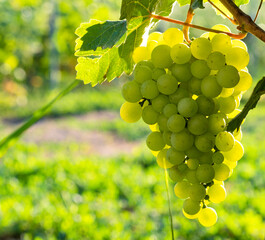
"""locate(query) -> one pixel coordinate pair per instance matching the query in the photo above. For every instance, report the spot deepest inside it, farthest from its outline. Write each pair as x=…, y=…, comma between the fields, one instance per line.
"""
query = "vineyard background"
x=82, y=173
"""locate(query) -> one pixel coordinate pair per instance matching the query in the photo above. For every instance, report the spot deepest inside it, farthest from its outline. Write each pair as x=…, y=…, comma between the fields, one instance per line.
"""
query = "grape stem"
x=233, y=35
x=246, y=24
x=189, y=18
x=260, y=4
x=258, y=91
x=230, y=19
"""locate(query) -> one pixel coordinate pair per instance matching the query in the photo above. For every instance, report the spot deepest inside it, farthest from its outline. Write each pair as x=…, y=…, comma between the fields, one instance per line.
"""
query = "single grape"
x=206, y=106
x=205, y=173
x=181, y=72
x=198, y=124
x=200, y=69
x=131, y=92
x=161, y=56
x=236, y=153
x=201, y=48
x=178, y=95
x=155, y=141
x=140, y=54
x=191, y=176
x=149, y=89
x=239, y=43
x=222, y=171
x=245, y=81
x=210, y=87
x=216, y=60
x=228, y=76
x=237, y=57
x=180, y=53
x=189, y=216
x=173, y=36
x=224, y=141
x=182, y=189
x=160, y=102
x=175, y=157
x=175, y=174
x=220, y=27
x=206, y=158
x=142, y=73
x=157, y=72
x=187, y=107
x=227, y=105
x=227, y=92
x=149, y=115
x=167, y=84
x=216, y=193
x=217, y=123
x=205, y=142
x=221, y=43
x=182, y=141
x=156, y=36
x=170, y=109
x=130, y=112
x=192, y=163
x=194, y=86
x=191, y=207
x=197, y=192
x=176, y=123
x=207, y=217
x=162, y=161
x=217, y=157
x=146, y=63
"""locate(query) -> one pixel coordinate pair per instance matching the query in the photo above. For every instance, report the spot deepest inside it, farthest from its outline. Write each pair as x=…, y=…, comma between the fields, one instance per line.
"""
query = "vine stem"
x=233, y=35
x=260, y=4
x=230, y=19
x=11, y=138
x=189, y=18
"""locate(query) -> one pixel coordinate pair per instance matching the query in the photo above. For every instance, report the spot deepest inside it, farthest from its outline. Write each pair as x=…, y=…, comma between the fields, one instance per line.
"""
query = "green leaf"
x=197, y=4
x=183, y=2
x=241, y=2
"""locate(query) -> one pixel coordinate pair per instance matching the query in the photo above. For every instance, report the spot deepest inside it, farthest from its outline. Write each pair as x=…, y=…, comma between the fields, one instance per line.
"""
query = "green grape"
x=237, y=57
x=224, y=141
x=221, y=43
x=207, y=217
x=217, y=157
x=222, y=171
x=227, y=105
x=200, y=69
x=216, y=193
x=220, y=27
x=180, y=53
x=149, y=115
x=189, y=216
x=130, y=112
x=206, y=106
x=162, y=122
x=175, y=157
x=239, y=43
x=228, y=76
x=245, y=81
x=142, y=73
x=160, y=102
x=210, y=87
x=194, y=86
x=156, y=36
x=198, y=124
x=192, y=163
x=217, y=123
x=161, y=56
x=201, y=48
x=178, y=95
x=191, y=176
x=170, y=109
x=236, y=153
x=205, y=173
x=167, y=84
x=173, y=36
x=227, y=92
x=182, y=141
x=187, y=107
x=183, y=167
x=191, y=207
x=157, y=72
x=216, y=60
x=184, y=85
x=216, y=105
x=167, y=137
x=181, y=72
x=145, y=63
x=176, y=123
x=162, y=161
x=140, y=54
x=205, y=142
x=175, y=174
x=181, y=189
x=197, y=192
x=131, y=92
x=149, y=89
x=155, y=141
x=193, y=152
x=206, y=158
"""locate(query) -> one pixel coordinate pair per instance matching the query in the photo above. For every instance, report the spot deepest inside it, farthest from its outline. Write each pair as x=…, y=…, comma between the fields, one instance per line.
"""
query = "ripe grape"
x=182, y=72
x=180, y=53
x=201, y=48
x=149, y=89
x=216, y=193
x=182, y=189
x=131, y=92
x=191, y=207
x=187, y=107
x=155, y=141
x=200, y=69
x=130, y=112
x=205, y=173
x=161, y=56
x=176, y=123
x=167, y=84
x=207, y=217
x=149, y=115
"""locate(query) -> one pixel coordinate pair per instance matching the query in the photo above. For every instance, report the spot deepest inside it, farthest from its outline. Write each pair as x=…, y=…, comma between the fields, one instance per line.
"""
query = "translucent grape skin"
x=191, y=207
x=176, y=123
x=182, y=189
x=180, y=53
x=201, y=48
x=197, y=192
x=200, y=69
x=149, y=115
x=182, y=141
x=131, y=92
x=228, y=76
x=175, y=157
x=205, y=173
x=149, y=89
x=167, y=84
x=198, y=124
x=216, y=60
x=155, y=141
x=207, y=217
x=216, y=193
x=210, y=87
x=161, y=56
x=187, y=107
x=130, y=112
x=224, y=141
x=181, y=72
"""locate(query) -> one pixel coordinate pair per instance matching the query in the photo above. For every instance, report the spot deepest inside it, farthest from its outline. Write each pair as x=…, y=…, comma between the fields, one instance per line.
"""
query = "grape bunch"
x=187, y=93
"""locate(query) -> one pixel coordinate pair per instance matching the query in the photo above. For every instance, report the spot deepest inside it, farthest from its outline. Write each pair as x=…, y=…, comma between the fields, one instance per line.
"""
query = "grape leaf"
x=183, y=2
x=197, y=4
